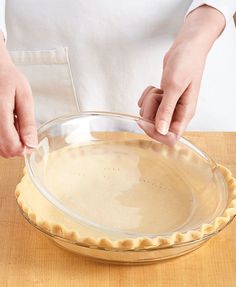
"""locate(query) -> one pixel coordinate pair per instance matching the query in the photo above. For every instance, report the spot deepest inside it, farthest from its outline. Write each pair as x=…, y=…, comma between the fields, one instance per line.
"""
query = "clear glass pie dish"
x=99, y=186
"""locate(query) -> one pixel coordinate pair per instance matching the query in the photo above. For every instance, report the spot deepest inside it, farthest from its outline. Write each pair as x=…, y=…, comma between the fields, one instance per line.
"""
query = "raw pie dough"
x=133, y=185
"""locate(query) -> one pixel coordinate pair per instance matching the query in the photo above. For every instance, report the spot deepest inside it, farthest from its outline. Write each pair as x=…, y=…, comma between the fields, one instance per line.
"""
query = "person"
x=100, y=55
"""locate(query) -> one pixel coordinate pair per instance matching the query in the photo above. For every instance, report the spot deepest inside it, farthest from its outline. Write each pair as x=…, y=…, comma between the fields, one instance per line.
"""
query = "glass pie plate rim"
x=179, y=238
x=151, y=248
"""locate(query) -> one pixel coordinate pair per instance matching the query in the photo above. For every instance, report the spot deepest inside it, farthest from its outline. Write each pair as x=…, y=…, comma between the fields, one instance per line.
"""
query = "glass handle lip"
x=28, y=150
x=144, y=120
x=30, y=146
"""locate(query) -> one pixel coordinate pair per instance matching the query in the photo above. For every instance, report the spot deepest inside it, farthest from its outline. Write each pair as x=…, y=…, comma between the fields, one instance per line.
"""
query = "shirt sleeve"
x=2, y=19
x=226, y=7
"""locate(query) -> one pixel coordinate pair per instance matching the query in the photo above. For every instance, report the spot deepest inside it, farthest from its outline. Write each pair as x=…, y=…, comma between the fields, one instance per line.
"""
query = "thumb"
x=165, y=111
x=26, y=120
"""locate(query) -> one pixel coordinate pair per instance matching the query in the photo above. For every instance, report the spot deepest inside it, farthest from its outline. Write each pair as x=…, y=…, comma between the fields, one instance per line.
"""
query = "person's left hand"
x=167, y=111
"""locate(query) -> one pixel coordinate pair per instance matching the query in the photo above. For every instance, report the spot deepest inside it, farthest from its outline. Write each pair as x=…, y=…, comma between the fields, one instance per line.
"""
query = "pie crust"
x=47, y=217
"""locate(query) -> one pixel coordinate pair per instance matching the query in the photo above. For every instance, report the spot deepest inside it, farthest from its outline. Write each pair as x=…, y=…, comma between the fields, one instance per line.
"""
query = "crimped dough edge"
x=139, y=243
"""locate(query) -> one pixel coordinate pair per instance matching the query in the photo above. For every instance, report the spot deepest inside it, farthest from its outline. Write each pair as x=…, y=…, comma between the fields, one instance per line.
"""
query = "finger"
x=141, y=110
x=150, y=129
x=10, y=144
x=3, y=154
x=9, y=153
x=146, y=91
x=17, y=127
x=172, y=93
x=150, y=106
x=165, y=112
x=184, y=112
x=25, y=117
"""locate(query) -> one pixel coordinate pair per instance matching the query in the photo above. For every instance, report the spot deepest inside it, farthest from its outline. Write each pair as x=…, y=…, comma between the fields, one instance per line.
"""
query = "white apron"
x=100, y=55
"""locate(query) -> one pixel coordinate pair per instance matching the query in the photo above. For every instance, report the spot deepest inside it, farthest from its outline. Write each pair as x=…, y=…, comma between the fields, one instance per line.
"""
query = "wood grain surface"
x=28, y=258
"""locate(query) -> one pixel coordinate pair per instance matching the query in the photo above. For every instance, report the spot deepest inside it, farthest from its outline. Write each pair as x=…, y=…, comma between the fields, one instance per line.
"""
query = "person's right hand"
x=17, y=122
x=166, y=112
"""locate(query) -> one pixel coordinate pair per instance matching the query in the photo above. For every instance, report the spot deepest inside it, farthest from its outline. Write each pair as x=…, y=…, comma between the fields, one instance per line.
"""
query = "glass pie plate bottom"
x=99, y=186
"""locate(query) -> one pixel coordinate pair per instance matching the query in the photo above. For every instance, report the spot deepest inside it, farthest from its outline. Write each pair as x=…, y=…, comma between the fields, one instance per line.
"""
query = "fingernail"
x=162, y=127
x=30, y=141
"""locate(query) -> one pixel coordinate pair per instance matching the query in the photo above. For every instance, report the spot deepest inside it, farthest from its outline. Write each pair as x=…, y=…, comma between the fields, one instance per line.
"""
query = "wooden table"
x=28, y=258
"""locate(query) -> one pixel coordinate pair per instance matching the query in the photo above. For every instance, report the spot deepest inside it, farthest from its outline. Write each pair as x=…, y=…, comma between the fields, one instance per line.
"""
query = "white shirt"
x=100, y=55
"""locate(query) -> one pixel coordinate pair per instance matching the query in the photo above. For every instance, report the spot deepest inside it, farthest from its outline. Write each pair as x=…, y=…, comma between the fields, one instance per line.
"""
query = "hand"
x=17, y=123
x=171, y=108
